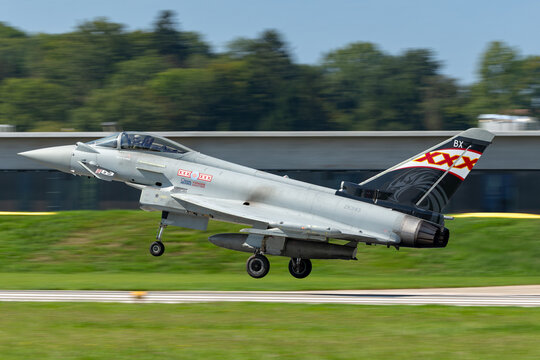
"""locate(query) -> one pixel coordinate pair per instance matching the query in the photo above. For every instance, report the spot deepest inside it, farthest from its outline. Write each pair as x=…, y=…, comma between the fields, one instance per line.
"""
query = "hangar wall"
x=507, y=178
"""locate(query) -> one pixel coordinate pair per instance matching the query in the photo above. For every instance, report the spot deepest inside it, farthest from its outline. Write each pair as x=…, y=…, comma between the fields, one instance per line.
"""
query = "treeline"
x=168, y=79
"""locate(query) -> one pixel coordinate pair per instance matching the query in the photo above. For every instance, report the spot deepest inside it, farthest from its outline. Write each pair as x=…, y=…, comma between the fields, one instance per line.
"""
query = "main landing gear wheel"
x=157, y=248
x=300, y=268
x=257, y=266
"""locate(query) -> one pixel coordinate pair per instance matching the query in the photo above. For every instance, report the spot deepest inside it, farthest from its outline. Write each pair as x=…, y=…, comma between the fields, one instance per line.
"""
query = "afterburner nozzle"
x=56, y=157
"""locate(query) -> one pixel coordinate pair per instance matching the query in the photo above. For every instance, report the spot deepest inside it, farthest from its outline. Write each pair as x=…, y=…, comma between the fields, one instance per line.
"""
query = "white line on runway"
x=525, y=296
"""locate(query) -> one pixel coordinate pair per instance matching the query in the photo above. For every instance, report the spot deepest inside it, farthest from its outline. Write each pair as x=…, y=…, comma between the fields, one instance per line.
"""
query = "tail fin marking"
x=423, y=179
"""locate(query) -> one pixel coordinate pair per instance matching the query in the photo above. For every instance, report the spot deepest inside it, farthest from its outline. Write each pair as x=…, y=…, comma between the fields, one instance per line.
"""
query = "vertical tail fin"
x=429, y=179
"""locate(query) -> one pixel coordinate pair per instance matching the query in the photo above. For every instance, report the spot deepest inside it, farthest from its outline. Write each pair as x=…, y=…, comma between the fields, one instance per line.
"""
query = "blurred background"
x=321, y=91
x=370, y=66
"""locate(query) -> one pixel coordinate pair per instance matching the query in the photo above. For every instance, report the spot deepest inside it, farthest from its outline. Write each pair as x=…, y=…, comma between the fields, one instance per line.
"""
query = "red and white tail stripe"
x=459, y=161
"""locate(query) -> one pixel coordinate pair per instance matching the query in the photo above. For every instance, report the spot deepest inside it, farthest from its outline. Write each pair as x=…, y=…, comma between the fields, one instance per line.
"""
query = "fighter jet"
x=399, y=207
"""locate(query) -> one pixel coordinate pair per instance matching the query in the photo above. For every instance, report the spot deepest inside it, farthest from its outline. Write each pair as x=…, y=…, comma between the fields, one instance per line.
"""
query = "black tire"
x=302, y=270
x=257, y=266
x=157, y=248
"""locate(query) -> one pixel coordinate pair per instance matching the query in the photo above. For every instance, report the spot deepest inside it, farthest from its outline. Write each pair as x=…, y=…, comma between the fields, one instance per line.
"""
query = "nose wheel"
x=300, y=268
x=157, y=248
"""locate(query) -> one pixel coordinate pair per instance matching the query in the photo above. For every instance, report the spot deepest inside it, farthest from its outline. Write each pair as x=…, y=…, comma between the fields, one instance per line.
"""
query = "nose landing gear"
x=157, y=248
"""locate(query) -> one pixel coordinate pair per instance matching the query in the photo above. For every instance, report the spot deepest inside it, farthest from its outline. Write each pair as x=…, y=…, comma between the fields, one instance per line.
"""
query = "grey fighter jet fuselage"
x=400, y=207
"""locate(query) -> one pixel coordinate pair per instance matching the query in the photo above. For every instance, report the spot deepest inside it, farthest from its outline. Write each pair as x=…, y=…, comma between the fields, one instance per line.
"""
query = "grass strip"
x=265, y=331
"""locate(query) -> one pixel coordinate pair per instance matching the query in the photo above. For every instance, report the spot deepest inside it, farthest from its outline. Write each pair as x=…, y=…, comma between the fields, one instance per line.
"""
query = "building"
x=507, y=177
x=496, y=122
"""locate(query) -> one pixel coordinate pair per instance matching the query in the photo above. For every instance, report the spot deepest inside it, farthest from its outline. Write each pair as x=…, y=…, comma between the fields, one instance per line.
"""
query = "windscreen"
x=109, y=141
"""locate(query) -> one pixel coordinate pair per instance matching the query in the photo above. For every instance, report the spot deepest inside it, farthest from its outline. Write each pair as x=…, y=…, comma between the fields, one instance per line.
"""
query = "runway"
x=522, y=296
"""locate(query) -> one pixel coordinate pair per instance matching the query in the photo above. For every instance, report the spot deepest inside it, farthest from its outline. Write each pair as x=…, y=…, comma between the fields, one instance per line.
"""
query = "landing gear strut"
x=157, y=248
x=300, y=268
x=257, y=266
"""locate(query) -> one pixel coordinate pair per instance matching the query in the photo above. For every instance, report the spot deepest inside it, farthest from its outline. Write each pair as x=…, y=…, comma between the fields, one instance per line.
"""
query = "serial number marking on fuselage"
x=352, y=208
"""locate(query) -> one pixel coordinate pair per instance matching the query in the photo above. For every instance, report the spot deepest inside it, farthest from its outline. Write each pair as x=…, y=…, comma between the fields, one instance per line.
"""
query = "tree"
x=132, y=108
x=529, y=84
x=185, y=97
x=168, y=41
x=269, y=74
x=195, y=45
x=404, y=89
x=231, y=101
x=13, y=49
x=27, y=102
x=304, y=106
x=498, y=67
x=137, y=71
x=13, y=53
x=498, y=75
x=495, y=91
x=8, y=32
x=443, y=103
x=507, y=83
x=81, y=60
x=170, y=79
x=370, y=90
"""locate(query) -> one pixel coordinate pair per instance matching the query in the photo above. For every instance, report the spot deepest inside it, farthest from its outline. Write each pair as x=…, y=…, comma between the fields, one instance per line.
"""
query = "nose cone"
x=56, y=157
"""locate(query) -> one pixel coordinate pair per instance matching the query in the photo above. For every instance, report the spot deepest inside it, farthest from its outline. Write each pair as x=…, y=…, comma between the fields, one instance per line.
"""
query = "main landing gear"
x=257, y=266
x=157, y=248
x=300, y=268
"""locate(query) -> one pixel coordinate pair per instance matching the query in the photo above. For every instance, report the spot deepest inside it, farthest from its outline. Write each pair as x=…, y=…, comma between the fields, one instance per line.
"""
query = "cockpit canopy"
x=140, y=141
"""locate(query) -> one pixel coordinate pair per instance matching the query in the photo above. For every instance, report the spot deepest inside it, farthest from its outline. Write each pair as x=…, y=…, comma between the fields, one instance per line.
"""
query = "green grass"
x=265, y=331
x=109, y=250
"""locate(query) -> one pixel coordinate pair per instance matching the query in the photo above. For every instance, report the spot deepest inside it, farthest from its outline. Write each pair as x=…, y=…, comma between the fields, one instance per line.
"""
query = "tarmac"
x=521, y=296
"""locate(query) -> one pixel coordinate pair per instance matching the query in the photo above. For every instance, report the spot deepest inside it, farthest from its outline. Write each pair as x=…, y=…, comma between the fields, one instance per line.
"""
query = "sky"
x=458, y=31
